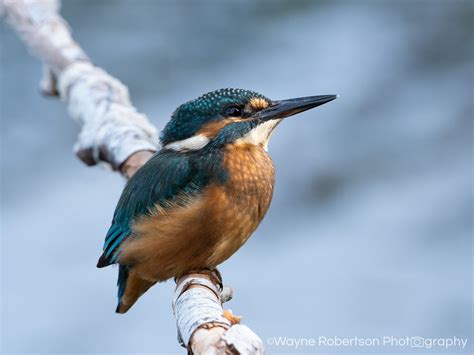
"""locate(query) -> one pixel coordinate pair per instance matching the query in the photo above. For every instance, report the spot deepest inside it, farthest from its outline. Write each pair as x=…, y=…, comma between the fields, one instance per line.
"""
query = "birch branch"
x=202, y=323
x=114, y=133
x=111, y=128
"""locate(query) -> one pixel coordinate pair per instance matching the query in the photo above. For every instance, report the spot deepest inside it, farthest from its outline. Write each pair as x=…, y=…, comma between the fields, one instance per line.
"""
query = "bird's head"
x=231, y=116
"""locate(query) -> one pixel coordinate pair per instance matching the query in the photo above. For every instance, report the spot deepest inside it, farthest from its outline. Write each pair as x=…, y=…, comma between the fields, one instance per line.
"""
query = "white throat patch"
x=260, y=135
x=193, y=143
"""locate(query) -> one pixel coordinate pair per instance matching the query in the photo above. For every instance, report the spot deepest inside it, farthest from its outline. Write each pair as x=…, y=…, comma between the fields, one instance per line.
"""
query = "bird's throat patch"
x=260, y=135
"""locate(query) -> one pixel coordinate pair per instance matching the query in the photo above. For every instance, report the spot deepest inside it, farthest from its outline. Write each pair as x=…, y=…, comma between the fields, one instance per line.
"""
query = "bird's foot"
x=233, y=319
x=213, y=274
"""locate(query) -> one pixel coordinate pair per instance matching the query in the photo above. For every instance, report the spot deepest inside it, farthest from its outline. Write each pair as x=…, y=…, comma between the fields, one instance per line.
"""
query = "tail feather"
x=130, y=288
x=103, y=262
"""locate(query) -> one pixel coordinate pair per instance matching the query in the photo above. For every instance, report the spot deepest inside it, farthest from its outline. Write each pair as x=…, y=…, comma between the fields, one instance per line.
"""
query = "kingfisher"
x=195, y=202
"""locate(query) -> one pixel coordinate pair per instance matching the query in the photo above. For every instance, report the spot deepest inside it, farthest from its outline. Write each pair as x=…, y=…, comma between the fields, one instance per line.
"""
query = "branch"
x=114, y=133
x=202, y=323
x=111, y=128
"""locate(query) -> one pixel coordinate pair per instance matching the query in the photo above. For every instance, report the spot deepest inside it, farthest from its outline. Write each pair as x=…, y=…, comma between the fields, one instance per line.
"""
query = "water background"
x=370, y=230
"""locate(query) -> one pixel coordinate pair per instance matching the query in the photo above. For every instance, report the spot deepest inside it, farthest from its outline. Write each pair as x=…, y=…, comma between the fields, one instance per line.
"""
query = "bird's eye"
x=233, y=111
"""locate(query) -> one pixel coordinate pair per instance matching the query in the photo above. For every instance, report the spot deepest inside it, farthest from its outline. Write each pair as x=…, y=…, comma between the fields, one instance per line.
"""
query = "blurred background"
x=370, y=231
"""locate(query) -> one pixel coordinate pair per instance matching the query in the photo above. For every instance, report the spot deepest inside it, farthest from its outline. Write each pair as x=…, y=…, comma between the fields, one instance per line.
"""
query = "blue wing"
x=165, y=176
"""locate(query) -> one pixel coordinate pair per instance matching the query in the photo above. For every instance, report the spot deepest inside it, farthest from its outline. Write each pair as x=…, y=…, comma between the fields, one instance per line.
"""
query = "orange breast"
x=247, y=197
x=208, y=230
x=250, y=188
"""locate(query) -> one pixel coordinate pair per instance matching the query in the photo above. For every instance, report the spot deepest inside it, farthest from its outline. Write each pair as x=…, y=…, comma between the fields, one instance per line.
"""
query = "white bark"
x=111, y=128
x=111, y=132
x=202, y=326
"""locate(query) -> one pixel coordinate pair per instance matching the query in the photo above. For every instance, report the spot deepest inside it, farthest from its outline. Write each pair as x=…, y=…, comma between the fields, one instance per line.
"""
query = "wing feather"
x=159, y=182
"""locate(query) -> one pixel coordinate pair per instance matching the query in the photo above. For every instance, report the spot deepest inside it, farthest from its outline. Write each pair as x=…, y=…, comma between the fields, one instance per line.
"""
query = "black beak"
x=285, y=108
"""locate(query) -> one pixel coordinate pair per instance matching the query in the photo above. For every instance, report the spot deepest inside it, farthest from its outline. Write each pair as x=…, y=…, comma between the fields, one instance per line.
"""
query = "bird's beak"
x=285, y=108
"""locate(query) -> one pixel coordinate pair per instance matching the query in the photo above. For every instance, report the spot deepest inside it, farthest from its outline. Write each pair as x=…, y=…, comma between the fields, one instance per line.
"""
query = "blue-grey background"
x=370, y=230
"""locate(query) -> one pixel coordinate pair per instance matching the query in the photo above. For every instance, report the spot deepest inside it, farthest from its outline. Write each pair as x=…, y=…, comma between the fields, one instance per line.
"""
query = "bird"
x=197, y=200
